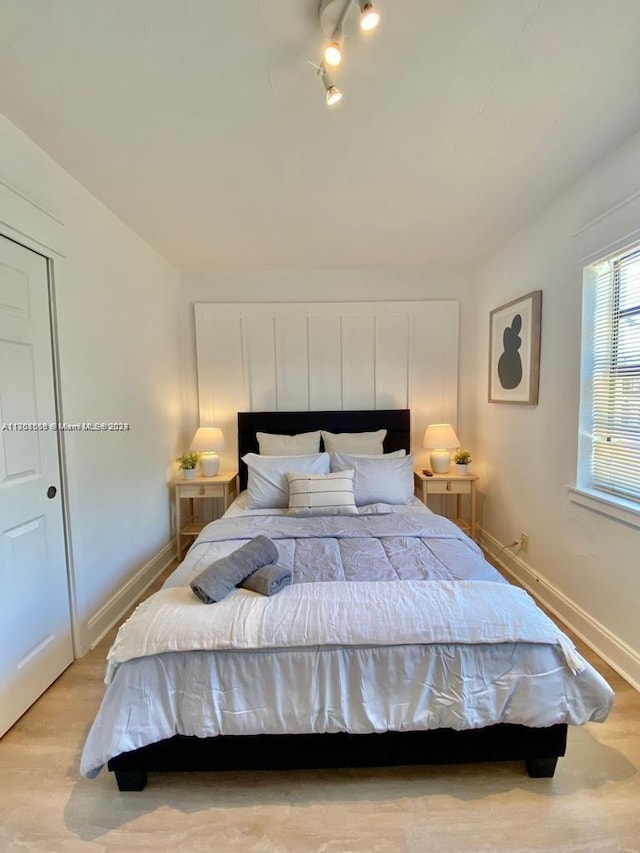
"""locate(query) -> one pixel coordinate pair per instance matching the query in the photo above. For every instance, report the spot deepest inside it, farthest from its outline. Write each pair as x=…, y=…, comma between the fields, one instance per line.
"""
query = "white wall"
x=585, y=564
x=117, y=304
x=329, y=286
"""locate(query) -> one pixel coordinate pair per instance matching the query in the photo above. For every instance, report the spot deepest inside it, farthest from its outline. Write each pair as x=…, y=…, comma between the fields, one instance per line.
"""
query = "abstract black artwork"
x=514, y=350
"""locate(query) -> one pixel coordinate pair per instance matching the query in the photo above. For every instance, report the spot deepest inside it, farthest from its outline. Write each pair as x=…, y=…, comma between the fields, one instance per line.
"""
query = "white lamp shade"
x=440, y=439
x=208, y=440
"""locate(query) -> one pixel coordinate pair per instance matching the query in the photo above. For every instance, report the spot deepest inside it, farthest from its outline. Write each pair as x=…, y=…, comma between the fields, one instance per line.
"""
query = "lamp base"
x=209, y=464
x=440, y=461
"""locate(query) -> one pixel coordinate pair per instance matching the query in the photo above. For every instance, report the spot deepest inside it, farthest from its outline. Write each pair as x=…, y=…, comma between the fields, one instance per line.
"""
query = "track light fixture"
x=333, y=93
x=333, y=23
x=333, y=54
x=369, y=18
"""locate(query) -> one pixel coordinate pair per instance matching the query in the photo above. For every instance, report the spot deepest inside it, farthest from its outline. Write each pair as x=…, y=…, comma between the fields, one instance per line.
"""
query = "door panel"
x=19, y=449
x=35, y=624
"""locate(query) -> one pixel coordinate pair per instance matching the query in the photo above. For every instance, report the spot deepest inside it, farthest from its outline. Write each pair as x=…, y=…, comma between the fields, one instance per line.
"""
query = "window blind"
x=615, y=392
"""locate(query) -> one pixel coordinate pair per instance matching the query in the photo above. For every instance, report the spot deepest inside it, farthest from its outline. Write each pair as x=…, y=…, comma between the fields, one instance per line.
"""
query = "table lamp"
x=207, y=441
x=440, y=439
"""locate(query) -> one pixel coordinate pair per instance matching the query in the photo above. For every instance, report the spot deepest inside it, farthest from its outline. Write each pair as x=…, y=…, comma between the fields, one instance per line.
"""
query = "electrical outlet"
x=524, y=542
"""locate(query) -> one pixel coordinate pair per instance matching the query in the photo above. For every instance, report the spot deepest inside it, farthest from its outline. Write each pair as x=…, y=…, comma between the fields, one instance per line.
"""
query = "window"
x=609, y=457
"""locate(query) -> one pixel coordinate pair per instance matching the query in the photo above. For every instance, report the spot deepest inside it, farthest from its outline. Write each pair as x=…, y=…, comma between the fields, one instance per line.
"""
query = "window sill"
x=616, y=508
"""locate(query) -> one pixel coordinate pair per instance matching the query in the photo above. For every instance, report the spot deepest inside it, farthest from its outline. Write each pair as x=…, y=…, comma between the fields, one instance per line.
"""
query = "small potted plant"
x=461, y=459
x=187, y=464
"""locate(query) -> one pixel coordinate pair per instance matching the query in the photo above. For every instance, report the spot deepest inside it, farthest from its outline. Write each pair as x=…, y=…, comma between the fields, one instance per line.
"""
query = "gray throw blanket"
x=268, y=580
x=221, y=577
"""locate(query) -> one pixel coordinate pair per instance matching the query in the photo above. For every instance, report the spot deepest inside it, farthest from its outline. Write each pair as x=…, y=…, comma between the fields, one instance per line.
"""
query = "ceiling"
x=201, y=124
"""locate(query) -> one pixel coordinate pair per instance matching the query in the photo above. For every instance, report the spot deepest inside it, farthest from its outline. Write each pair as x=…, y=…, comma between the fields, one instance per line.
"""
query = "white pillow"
x=395, y=454
x=321, y=494
x=288, y=445
x=354, y=442
x=267, y=484
x=378, y=479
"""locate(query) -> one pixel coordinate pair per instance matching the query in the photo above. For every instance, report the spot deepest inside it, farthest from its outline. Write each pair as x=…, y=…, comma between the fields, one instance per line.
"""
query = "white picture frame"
x=514, y=350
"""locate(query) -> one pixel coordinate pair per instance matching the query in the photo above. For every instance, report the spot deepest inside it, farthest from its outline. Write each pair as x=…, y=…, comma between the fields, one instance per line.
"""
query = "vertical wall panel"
x=433, y=367
x=259, y=348
x=325, y=363
x=221, y=381
x=292, y=363
x=392, y=366
x=358, y=363
x=350, y=355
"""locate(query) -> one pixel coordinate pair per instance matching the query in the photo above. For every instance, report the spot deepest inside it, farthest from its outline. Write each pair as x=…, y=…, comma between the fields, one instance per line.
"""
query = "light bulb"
x=370, y=18
x=333, y=54
x=333, y=95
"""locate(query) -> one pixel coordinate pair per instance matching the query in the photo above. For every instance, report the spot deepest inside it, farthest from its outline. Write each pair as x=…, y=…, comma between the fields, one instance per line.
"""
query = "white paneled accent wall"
x=327, y=355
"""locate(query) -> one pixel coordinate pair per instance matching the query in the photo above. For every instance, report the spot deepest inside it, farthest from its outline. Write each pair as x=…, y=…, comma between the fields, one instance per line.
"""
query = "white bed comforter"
x=375, y=613
x=358, y=656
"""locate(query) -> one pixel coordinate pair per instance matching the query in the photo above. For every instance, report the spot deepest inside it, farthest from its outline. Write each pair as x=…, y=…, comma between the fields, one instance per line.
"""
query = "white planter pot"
x=462, y=468
x=189, y=473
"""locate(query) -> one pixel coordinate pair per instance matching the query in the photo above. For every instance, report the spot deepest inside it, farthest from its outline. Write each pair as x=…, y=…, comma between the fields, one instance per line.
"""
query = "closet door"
x=35, y=624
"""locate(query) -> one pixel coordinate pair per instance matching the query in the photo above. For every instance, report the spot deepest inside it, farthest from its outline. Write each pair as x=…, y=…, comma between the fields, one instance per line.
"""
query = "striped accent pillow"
x=321, y=494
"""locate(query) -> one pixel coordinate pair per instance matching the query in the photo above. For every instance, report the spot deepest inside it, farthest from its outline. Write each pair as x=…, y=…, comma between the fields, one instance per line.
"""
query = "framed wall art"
x=514, y=350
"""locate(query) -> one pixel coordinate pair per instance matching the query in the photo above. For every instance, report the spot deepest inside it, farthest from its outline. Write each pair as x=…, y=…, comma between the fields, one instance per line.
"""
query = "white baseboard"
x=613, y=650
x=112, y=612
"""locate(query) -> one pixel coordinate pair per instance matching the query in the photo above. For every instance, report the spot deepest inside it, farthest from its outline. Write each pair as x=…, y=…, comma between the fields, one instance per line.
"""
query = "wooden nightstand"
x=223, y=485
x=451, y=484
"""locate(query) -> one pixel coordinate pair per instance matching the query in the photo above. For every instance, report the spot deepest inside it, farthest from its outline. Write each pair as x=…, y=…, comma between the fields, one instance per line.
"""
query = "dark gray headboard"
x=397, y=422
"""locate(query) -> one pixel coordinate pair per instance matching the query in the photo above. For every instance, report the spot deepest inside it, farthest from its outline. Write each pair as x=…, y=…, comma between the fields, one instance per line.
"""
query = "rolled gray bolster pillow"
x=268, y=580
x=221, y=577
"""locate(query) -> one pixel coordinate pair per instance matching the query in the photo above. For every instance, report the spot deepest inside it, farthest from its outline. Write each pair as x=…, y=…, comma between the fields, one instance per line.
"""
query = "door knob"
x=52, y=492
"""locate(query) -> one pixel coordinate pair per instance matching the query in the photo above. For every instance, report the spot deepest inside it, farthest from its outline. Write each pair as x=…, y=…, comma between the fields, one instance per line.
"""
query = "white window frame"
x=587, y=492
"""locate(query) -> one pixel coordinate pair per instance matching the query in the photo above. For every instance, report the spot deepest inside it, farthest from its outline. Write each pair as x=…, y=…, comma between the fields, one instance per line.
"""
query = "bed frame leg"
x=131, y=780
x=541, y=768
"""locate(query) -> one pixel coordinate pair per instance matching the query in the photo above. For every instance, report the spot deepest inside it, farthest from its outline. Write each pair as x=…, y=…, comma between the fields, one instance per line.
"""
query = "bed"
x=378, y=654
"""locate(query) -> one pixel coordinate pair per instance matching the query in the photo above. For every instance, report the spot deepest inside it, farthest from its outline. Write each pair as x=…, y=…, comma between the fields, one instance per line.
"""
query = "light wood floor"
x=592, y=803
